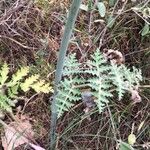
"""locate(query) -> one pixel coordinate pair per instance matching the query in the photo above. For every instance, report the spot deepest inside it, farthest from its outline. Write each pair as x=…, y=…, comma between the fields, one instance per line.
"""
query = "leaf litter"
x=18, y=133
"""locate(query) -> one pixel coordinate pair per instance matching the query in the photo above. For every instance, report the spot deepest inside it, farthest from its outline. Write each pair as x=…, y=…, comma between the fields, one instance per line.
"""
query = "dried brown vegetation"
x=30, y=28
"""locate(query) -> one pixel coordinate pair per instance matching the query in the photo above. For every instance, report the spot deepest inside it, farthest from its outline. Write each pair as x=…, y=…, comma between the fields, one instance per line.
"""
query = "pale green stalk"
x=60, y=63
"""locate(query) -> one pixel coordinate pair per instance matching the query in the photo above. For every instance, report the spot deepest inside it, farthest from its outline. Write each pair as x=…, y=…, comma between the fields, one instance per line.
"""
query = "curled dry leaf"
x=135, y=96
x=113, y=56
x=18, y=133
x=88, y=99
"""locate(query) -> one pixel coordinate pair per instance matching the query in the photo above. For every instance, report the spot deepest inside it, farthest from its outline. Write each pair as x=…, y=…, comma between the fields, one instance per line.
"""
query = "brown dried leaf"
x=17, y=134
x=113, y=56
x=87, y=99
x=135, y=96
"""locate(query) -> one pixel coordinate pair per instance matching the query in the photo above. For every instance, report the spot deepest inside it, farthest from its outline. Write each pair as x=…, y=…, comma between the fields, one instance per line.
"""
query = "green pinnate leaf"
x=4, y=73
x=104, y=79
x=125, y=146
x=145, y=30
x=13, y=91
x=19, y=75
x=10, y=89
x=110, y=21
x=41, y=86
x=29, y=82
x=101, y=8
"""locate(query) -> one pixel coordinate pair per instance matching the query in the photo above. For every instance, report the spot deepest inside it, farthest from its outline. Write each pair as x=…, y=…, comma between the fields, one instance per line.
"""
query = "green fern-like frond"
x=101, y=92
x=28, y=82
x=20, y=74
x=41, y=86
x=132, y=77
x=71, y=66
x=102, y=77
x=13, y=91
x=124, y=79
x=98, y=64
x=67, y=95
x=10, y=89
x=117, y=77
x=6, y=103
x=98, y=81
x=4, y=73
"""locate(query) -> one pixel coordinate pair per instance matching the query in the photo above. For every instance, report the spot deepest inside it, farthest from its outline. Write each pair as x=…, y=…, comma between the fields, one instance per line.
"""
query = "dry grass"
x=28, y=30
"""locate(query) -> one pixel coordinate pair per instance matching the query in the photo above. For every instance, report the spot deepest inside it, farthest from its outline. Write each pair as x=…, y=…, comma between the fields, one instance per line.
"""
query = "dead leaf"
x=17, y=134
x=135, y=96
x=114, y=56
x=88, y=99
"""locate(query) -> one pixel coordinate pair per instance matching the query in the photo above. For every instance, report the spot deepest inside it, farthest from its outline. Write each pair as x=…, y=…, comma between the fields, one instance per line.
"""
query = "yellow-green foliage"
x=18, y=76
x=21, y=80
x=48, y=5
x=99, y=76
x=3, y=74
x=35, y=83
x=43, y=4
x=28, y=82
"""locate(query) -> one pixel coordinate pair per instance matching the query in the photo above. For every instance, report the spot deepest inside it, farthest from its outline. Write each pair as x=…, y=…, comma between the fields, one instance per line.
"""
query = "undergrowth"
x=129, y=32
x=102, y=78
x=21, y=80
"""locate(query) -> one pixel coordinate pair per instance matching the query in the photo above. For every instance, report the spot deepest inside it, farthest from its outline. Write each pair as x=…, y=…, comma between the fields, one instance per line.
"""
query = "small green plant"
x=67, y=91
x=101, y=77
x=43, y=4
x=21, y=80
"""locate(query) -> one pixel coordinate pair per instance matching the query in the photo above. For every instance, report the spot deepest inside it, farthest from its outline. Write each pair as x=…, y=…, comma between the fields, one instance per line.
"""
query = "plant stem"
x=60, y=63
